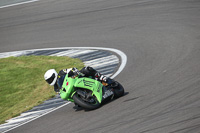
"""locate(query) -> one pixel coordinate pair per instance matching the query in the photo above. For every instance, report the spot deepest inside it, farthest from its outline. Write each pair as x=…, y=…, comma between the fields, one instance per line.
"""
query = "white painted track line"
x=20, y=3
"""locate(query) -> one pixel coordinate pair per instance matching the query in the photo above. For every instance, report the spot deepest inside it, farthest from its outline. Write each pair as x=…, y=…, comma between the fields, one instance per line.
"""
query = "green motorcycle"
x=89, y=93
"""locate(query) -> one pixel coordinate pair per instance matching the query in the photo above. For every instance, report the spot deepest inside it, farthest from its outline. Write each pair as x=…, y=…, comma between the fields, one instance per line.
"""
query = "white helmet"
x=51, y=76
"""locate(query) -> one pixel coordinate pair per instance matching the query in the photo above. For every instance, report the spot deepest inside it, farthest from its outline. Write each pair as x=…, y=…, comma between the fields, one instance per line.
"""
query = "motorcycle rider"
x=56, y=79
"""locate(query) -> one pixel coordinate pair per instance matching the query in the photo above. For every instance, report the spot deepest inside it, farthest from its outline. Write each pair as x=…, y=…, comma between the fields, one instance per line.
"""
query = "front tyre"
x=84, y=104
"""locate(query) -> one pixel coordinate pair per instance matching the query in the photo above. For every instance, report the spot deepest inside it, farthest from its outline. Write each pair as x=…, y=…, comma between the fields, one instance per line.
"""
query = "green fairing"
x=90, y=84
x=69, y=84
x=67, y=90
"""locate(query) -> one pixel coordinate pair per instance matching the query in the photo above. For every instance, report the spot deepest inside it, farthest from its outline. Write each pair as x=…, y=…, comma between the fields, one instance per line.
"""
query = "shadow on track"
x=78, y=108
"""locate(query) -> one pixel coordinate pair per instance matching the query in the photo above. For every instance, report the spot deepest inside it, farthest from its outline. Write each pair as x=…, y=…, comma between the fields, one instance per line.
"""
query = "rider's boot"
x=101, y=77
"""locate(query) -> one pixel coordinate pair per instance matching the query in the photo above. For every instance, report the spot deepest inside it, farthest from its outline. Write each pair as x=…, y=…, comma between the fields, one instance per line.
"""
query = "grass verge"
x=22, y=84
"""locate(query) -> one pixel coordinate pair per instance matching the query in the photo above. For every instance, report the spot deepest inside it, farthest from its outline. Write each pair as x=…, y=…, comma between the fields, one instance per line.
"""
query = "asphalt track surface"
x=162, y=76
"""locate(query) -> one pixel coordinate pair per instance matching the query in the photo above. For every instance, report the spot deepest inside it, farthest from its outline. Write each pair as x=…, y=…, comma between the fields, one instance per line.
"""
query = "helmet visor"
x=51, y=79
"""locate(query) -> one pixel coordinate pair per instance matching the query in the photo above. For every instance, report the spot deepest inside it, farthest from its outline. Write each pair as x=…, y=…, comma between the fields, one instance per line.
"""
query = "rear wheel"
x=87, y=103
x=118, y=90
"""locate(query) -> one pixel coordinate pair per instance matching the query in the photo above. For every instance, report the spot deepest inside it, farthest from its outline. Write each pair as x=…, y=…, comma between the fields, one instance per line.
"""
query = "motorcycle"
x=89, y=93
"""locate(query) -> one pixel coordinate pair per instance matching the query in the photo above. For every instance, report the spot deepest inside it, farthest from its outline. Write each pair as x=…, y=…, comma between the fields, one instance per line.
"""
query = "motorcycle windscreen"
x=91, y=84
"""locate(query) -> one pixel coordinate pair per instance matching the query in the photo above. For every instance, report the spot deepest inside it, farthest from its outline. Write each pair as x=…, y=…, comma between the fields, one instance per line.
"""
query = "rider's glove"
x=62, y=72
x=74, y=69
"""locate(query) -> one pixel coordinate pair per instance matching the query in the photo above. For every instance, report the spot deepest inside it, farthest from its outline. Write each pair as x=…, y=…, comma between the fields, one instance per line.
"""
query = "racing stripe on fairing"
x=103, y=61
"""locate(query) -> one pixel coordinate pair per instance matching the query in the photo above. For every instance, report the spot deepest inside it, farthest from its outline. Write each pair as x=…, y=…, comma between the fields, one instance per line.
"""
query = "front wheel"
x=91, y=104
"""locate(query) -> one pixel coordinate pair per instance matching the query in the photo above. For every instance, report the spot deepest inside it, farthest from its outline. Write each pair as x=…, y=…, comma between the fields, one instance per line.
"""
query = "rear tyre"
x=84, y=104
x=118, y=90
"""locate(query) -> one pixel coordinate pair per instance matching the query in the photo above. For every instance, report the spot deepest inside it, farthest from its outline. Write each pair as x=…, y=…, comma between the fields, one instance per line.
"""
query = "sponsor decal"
x=88, y=83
